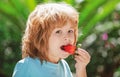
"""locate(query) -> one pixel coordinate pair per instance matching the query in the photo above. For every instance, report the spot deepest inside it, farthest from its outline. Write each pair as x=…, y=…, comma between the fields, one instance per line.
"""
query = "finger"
x=82, y=56
x=78, y=59
x=82, y=52
x=82, y=60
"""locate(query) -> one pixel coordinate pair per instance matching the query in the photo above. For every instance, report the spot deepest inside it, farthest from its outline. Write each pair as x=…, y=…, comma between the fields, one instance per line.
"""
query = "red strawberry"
x=69, y=48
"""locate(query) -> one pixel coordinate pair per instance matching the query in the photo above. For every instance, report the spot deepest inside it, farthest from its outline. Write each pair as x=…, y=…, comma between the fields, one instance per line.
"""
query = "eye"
x=58, y=31
x=70, y=31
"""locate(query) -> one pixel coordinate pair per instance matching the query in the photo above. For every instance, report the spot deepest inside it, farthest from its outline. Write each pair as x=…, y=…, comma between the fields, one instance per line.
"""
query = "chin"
x=65, y=56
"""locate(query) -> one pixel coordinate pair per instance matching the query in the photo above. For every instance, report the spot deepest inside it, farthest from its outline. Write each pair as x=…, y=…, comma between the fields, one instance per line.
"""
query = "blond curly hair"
x=40, y=24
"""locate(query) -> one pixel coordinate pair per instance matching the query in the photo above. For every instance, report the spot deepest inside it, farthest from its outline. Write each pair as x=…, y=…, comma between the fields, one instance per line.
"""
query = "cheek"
x=53, y=41
x=73, y=39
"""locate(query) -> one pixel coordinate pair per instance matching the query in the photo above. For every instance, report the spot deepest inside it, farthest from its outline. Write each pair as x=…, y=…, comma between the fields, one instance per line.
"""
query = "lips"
x=69, y=48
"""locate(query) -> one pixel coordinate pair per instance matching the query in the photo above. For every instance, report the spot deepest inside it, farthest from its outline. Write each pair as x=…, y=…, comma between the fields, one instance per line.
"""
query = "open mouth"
x=62, y=47
x=68, y=48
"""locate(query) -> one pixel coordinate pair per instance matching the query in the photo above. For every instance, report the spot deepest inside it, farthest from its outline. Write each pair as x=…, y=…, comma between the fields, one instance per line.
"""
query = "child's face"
x=59, y=37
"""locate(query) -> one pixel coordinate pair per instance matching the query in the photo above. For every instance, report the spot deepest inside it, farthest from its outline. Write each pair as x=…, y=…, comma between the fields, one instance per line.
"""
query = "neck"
x=53, y=59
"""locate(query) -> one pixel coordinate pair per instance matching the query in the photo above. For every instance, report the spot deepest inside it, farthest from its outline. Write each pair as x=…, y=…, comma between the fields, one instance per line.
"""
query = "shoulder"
x=21, y=63
x=24, y=61
x=22, y=67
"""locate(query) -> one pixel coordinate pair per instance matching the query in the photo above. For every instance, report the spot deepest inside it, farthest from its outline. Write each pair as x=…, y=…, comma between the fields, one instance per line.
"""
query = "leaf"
x=20, y=8
x=89, y=8
x=71, y=2
x=7, y=8
x=106, y=10
x=31, y=4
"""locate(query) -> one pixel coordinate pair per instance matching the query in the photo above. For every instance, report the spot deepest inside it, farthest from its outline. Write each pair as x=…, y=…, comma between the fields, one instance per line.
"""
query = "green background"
x=98, y=18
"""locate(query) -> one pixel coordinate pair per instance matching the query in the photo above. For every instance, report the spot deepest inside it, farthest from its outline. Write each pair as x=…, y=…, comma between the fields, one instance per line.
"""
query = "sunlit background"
x=99, y=34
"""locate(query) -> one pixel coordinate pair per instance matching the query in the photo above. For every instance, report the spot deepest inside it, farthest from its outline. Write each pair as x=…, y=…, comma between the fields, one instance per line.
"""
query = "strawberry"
x=69, y=48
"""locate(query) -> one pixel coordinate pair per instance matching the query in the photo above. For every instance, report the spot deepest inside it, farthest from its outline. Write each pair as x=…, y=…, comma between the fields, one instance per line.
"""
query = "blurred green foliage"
x=97, y=18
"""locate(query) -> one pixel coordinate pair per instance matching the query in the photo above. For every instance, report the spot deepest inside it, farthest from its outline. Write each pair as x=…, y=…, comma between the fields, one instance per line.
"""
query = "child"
x=50, y=27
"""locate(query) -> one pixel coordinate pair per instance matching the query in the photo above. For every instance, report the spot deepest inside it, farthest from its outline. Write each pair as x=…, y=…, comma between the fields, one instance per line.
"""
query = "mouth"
x=62, y=47
x=68, y=48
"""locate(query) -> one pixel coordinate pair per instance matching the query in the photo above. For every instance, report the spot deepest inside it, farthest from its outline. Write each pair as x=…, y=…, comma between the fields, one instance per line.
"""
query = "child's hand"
x=82, y=59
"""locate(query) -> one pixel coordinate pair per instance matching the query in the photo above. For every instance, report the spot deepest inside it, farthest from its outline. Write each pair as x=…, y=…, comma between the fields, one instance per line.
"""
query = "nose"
x=67, y=39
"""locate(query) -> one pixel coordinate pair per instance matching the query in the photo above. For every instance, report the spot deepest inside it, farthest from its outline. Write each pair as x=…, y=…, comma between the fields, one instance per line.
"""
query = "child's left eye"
x=58, y=32
x=70, y=31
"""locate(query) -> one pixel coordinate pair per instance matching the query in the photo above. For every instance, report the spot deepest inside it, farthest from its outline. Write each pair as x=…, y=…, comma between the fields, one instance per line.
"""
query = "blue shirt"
x=32, y=67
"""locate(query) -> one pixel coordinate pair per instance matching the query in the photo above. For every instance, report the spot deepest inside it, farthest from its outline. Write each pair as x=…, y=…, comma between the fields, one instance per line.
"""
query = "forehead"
x=67, y=25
